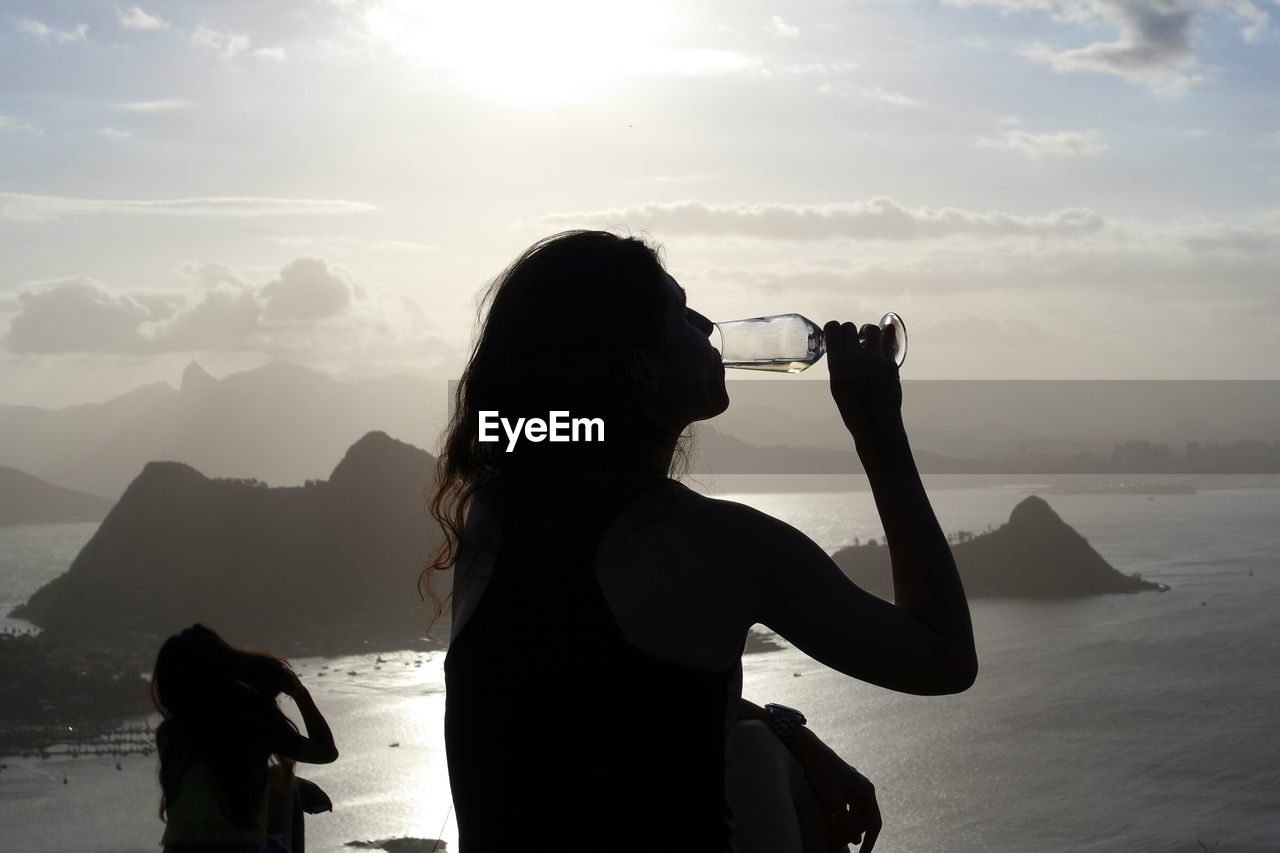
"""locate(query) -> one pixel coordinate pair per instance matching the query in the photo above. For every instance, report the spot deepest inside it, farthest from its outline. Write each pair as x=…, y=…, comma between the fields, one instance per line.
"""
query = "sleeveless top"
x=195, y=816
x=561, y=735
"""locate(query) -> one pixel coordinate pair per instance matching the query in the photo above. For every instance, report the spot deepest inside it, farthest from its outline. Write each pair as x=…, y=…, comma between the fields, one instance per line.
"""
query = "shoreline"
x=50, y=689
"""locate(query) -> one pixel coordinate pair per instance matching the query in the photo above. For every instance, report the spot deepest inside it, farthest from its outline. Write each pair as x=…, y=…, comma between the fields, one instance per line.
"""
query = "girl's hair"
x=563, y=321
x=217, y=700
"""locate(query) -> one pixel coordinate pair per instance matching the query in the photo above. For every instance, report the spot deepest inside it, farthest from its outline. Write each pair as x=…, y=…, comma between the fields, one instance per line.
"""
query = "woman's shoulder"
x=717, y=528
x=668, y=514
x=688, y=505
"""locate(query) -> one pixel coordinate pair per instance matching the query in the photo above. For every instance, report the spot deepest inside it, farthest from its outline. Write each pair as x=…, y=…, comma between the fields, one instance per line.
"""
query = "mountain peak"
x=195, y=379
x=378, y=456
x=1034, y=511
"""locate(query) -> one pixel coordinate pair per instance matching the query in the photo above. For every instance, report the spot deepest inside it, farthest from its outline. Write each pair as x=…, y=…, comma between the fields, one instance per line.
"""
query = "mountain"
x=314, y=569
x=1034, y=555
x=280, y=422
x=285, y=424
x=28, y=500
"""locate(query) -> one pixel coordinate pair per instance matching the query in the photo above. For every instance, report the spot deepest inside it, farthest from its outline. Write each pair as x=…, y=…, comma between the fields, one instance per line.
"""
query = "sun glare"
x=552, y=50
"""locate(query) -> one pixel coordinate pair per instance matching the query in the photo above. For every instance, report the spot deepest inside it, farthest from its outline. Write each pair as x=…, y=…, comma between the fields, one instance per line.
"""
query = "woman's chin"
x=723, y=401
x=719, y=401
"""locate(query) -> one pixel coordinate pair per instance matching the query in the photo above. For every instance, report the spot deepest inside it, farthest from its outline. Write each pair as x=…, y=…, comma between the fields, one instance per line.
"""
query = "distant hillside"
x=1035, y=555
x=281, y=423
x=312, y=569
x=285, y=424
x=27, y=500
x=717, y=452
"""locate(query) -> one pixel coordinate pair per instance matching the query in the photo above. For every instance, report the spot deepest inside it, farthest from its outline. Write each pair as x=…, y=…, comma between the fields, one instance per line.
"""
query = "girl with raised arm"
x=227, y=750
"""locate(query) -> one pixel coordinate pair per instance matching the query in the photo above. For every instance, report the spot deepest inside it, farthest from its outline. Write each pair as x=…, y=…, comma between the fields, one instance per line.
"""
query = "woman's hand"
x=848, y=797
x=291, y=685
x=864, y=382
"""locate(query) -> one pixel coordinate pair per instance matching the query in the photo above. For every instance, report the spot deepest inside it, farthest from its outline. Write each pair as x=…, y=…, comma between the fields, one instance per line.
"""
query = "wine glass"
x=790, y=343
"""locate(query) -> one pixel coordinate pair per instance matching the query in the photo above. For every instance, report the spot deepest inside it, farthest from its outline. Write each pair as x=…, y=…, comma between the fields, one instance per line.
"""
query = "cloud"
x=226, y=44
x=113, y=133
x=229, y=45
x=36, y=208
x=134, y=18
x=8, y=124
x=1258, y=238
x=226, y=317
x=209, y=274
x=151, y=106
x=872, y=95
x=1064, y=143
x=1153, y=46
x=795, y=69
x=45, y=33
x=272, y=54
x=308, y=307
x=78, y=315
x=876, y=219
x=1256, y=20
x=782, y=29
x=1210, y=264
x=306, y=290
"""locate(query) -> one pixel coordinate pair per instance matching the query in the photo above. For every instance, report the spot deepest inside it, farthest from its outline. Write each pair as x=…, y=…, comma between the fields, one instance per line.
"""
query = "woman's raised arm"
x=317, y=746
x=923, y=642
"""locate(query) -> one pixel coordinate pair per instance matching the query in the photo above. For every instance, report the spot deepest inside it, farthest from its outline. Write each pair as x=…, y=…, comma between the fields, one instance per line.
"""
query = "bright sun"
x=527, y=50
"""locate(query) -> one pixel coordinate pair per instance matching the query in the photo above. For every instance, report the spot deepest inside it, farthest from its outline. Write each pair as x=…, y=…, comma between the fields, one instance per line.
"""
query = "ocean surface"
x=1114, y=723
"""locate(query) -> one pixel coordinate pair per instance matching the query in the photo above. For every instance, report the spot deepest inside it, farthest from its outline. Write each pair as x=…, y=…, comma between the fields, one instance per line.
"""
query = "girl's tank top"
x=559, y=733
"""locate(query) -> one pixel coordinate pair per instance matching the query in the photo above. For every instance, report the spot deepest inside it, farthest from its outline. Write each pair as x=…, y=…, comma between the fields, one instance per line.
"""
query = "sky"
x=1041, y=189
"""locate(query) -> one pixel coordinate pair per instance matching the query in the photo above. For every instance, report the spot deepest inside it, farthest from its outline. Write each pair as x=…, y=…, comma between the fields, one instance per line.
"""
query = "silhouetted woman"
x=601, y=607
x=227, y=750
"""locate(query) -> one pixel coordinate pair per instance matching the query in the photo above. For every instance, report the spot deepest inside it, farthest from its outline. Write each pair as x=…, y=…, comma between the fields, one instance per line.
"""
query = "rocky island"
x=313, y=569
x=1034, y=555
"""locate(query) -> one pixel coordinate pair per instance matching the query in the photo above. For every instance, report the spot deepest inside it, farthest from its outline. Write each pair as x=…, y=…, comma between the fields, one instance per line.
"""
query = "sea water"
x=1111, y=723
x=31, y=555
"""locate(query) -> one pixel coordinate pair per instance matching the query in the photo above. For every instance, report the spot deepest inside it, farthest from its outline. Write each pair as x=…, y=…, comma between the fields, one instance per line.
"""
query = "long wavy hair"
x=563, y=322
x=215, y=699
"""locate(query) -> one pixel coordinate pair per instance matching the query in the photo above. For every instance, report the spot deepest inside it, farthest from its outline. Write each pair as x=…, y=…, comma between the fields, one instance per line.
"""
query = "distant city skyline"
x=1041, y=188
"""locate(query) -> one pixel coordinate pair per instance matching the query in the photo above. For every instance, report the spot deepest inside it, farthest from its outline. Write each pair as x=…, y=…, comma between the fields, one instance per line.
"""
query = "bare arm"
x=923, y=643
x=926, y=582
x=848, y=797
x=317, y=746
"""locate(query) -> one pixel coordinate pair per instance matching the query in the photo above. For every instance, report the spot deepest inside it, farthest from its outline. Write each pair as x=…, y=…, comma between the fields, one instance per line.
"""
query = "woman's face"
x=683, y=374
